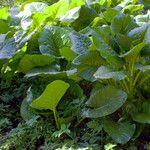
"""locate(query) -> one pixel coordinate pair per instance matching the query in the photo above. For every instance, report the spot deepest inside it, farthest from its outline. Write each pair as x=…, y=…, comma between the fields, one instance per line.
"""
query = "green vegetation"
x=75, y=74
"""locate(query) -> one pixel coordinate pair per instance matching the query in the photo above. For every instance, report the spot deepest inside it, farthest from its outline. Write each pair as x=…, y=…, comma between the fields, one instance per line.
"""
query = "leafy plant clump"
x=81, y=69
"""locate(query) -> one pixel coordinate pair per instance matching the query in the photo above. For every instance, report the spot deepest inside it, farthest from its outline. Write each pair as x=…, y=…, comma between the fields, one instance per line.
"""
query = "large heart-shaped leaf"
x=51, y=95
x=105, y=101
x=121, y=132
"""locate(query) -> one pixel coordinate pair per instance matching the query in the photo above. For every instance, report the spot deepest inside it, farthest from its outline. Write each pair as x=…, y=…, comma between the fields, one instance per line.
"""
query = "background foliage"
x=75, y=74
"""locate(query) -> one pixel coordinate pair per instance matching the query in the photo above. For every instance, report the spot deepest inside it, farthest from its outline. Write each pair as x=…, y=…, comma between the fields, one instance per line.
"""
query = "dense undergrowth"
x=75, y=74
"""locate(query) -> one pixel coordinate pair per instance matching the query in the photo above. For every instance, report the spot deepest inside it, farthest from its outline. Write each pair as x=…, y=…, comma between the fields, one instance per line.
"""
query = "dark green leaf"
x=52, y=39
x=105, y=101
x=80, y=42
x=105, y=72
x=28, y=62
x=120, y=132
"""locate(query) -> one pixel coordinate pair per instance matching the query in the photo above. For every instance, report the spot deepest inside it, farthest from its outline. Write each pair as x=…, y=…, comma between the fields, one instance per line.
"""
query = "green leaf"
x=4, y=27
x=124, y=42
x=131, y=9
x=105, y=72
x=7, y=48
x=120, y=132
x=134, y=52
x=67, y=53
x=139, y=33
x=28, y=62
x=105, y=101
x=142, y=19
x=147, y=36
x=53, y=39
x=101, y=39
x=122, y=23
x=142, y=116
x=71, y=15
x=143, y=68
x=4, y=13
x=25, y=109
x=52, y=71
x=35, y=7
x=109, y=14
x=97, y=22
x=87, y=64
x=76, y=17
x=80, y=42
x=51, y=95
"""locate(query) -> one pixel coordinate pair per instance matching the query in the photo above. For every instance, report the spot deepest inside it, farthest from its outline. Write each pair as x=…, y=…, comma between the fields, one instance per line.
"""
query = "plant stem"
x=136, y=78
x=55, y=117
x=144, y=79
x=126, y=86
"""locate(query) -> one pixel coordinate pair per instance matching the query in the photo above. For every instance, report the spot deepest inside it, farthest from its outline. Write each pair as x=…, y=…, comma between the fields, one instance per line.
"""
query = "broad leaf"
x=35, y=7
x=51, y=95
x=25, y=109
x=62, y=7
x=101, y=39
x=4, y=27
x=87, y=64
x=109, y=14
x=131, y=9
x=124, y=42
x=105, y=101
x=142, y=19
x=67, y=53
x=105, y=72
x=28, y=62
x=53, y=39
x=142, y=116
x=134, y=52
x=80, y=42
x=7, y=48
x=121, y=132
x=77, y=19
x=4, y=13
x=122, y=23
x=139, y=32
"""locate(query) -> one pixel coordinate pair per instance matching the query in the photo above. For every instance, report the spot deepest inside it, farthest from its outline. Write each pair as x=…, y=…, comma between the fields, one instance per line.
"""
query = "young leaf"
x=105, y=101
